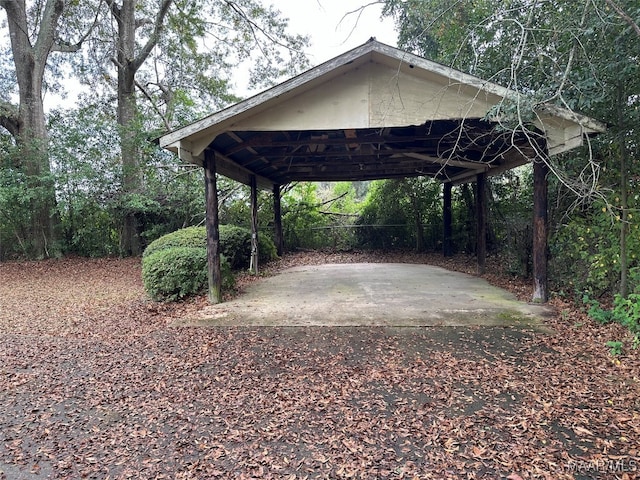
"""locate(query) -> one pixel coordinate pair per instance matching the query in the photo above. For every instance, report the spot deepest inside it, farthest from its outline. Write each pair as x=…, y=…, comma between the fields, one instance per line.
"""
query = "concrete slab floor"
x=371, y=294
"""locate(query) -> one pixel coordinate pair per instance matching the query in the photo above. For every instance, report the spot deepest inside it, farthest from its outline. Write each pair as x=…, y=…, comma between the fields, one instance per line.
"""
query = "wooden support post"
x=277, y=224
x=253, y=265
x=213, y=230
x=447, y=241
x=540, y=172
x=481, y=225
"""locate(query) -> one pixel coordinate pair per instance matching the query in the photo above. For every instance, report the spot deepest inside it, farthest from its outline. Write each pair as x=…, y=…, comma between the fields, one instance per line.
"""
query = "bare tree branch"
x=64, y=46
x=624, y=16
x=155, y=36
x=146, y=93
x=572, y=54
x=358, y=12
x=256, y=28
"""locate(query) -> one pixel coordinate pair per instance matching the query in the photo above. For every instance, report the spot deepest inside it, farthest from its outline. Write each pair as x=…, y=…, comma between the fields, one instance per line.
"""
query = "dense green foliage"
x=235, y=244
x=303, y=223
x=402, y=214
x=87, y=180
x=174, y=273
x=19, y=192
x=175, y=265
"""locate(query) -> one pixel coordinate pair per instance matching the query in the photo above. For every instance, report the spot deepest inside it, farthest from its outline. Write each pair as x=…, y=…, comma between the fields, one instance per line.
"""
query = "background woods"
x=144, y=67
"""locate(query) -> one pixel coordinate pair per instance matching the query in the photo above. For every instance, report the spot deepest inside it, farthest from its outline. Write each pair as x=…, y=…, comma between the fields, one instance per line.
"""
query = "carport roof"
x=373, y=112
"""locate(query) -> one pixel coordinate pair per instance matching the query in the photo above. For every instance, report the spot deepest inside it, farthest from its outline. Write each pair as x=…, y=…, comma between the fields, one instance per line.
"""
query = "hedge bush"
x=175, y=265
x=190, y=237
x=235, y=244
x=174, y=273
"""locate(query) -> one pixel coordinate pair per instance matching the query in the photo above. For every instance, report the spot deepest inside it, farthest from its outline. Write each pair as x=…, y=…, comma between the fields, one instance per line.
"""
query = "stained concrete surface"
x=371, y=294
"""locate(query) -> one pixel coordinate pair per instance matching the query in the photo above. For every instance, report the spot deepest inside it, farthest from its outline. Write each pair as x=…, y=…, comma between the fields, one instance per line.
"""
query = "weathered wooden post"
x=253, y=265
x=540, y=172
x=213, y=230
x=447, y=220
x=277, y=221
x=481, y=225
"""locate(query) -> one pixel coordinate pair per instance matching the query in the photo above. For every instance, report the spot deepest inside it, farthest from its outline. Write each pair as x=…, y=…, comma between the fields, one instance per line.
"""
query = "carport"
x=378, y=112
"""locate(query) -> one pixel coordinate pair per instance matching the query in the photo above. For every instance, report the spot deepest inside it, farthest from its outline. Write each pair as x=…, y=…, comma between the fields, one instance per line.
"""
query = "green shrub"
x=596, y=312
x=190, y=237
x=615, y=347
x=174, y=273
x=235, y=244
x=266, y=249
x=178, y=272
x=626, y=311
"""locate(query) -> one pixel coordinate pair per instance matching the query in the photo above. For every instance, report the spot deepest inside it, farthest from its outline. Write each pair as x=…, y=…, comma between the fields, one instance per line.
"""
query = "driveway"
x=93, y=384
x=371, y=294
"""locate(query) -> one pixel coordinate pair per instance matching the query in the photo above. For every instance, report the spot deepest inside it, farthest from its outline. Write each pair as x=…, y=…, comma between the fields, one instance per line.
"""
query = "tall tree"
x=26, y=123
x=128, y=60
x=174, y=53
x=35, y=33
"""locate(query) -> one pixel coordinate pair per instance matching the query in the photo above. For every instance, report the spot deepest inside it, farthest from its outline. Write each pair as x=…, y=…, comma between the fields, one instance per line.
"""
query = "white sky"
x=332, y=29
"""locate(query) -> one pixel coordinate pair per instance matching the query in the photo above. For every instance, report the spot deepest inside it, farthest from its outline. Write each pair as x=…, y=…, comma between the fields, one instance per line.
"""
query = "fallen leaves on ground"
x=95, y=384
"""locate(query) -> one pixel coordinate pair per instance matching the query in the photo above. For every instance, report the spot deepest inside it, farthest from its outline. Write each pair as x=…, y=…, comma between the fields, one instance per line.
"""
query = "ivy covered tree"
x=36, y=30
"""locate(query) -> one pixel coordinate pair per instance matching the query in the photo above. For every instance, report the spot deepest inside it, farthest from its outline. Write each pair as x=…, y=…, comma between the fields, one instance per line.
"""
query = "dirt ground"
x=95, y=382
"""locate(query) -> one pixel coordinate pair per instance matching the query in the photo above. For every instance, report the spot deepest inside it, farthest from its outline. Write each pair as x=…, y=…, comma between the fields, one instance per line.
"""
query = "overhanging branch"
x=9, y=118
x=624, y=16
x=155, y=36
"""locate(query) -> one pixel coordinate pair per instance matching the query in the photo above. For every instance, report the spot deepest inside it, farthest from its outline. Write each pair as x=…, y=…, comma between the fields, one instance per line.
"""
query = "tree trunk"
x=128, y=61
x=34, y=158
x=127, y=112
